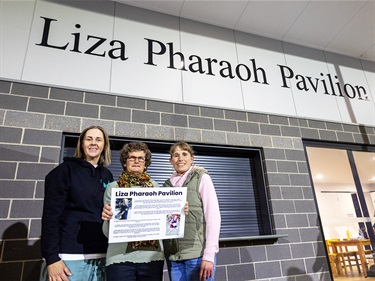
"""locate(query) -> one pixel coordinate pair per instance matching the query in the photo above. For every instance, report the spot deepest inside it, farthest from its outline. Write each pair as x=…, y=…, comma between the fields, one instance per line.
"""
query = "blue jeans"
x=129, y=271
x=187, y=270
x=88, y=270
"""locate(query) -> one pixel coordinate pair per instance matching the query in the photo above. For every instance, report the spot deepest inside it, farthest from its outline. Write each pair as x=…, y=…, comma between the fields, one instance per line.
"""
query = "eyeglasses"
x=133, y=158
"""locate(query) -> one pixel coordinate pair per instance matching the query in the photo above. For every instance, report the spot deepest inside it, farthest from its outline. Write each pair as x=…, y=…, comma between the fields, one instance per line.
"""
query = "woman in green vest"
x=193, y=258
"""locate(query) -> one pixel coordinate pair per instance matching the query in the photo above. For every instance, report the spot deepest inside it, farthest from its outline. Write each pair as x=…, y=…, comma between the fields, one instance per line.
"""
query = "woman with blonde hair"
x=72, y=241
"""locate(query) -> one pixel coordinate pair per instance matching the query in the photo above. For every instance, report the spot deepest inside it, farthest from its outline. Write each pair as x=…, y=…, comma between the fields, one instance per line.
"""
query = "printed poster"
x=147, y=214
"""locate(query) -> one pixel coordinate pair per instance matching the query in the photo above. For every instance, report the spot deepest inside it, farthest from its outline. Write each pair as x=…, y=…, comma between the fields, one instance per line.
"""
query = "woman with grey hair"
x=141, y=260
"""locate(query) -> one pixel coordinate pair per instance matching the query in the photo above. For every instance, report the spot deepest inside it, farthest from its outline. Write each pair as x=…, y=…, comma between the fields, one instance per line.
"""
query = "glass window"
x=343, y=178
x=344, y=185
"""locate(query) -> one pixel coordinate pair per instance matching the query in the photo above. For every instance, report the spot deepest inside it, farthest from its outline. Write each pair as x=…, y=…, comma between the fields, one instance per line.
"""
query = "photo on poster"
x=173, y=224
x=122, y=208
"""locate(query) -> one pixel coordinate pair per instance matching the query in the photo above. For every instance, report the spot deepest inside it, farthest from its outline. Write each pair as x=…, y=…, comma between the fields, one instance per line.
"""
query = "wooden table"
x=359, y=243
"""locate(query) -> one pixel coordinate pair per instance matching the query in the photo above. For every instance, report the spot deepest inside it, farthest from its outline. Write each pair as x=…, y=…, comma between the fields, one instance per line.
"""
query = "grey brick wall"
x=33, y=118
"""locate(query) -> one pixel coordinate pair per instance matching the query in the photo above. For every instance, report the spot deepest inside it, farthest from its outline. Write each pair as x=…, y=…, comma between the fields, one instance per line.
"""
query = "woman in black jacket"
x=72, y=241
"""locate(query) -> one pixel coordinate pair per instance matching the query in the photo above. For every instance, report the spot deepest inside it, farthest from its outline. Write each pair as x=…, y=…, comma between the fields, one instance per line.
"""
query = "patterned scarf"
x=142, y=180
x=128, y=180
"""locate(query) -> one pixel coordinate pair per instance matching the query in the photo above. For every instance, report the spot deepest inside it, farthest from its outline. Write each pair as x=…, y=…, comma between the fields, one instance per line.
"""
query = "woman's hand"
x=186, y=208
x=206, y=270
x=58, y=271
x=107, y=212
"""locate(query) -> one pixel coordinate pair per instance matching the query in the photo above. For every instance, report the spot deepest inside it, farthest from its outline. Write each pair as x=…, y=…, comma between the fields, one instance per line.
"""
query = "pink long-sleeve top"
x=211, y=212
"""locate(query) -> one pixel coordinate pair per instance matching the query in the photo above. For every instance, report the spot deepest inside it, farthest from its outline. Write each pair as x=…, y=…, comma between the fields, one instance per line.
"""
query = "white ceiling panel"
x=168, y=7
x=370, y=54
x=221, y=13
x=358, y=36
x=271, y=19
x=322, y=21
x=343, y=27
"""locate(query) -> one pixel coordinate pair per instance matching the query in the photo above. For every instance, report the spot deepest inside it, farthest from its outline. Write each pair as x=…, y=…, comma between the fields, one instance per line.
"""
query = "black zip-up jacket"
x=73, y=203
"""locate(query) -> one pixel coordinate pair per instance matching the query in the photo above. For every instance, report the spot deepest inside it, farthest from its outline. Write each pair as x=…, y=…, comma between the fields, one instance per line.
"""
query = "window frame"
x=266, y=234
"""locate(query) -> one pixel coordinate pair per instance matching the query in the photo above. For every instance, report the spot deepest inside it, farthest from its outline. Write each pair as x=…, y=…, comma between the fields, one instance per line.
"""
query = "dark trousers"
x=129, y=271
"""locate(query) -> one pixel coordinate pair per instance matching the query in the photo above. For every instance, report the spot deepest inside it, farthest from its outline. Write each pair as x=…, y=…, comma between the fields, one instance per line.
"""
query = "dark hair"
x=105, y=157
x=135, y=146
x=184, y=146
